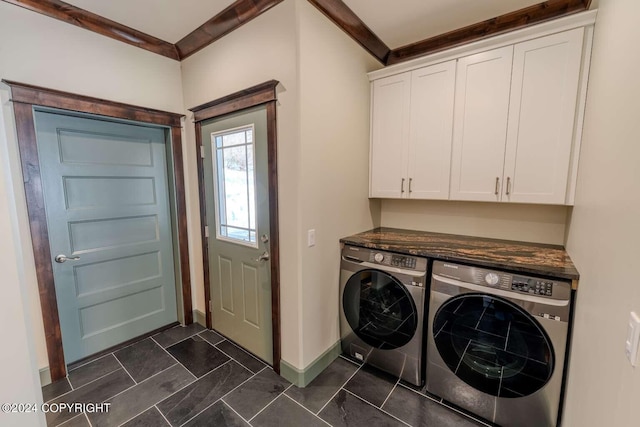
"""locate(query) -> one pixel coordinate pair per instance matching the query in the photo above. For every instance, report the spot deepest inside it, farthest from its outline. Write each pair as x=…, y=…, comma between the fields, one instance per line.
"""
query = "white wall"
x=604, y=229
x=334, y=127
x=530, y=223
x=42, y=51
x=260, y=50
x=18, y=356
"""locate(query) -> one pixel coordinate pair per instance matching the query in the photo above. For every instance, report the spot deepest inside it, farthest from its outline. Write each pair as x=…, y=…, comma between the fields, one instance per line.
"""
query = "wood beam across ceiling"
x=90, y=21
x=522, y=18
x=351, y=24
x=238, y=13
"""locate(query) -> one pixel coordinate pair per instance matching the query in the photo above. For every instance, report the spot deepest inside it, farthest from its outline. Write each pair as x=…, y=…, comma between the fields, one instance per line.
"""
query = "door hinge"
x=206, y=231
x=202, y=151
x=210, y=306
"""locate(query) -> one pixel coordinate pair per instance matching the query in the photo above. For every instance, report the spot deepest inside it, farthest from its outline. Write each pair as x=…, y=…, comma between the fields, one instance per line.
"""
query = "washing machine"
x=496, y=343
x=382, y=296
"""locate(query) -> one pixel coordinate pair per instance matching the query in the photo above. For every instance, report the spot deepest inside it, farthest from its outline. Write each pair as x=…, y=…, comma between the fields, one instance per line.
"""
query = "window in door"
x=235, y=181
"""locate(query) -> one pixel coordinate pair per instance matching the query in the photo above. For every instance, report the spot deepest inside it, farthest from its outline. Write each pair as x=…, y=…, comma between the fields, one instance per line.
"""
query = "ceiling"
x=401, y=22
x=168, y=20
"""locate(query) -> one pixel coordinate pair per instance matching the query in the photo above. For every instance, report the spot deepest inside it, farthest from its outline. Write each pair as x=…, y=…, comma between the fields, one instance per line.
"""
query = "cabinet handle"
x=402, y=186
x=497, y=185
x=410, y=179
x=508, y=185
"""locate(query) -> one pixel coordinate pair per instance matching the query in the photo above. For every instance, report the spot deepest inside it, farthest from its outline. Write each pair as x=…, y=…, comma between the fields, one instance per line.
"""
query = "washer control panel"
x=394, y=260
x=532, y=286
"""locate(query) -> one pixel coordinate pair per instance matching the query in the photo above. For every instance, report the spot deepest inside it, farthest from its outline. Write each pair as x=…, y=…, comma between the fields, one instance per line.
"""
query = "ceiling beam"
x=238, y=13
x=522, y=18
x=351, y=24
x=90, y=21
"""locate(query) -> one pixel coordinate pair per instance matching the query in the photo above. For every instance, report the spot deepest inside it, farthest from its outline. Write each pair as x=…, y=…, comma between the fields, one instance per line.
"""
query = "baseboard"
x=302, y=378
x=45, y=376
x=200, y=318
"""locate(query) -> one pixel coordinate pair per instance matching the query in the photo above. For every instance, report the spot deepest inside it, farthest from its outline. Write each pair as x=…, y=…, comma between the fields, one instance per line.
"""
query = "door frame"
x=261, y=94
x=24, y=98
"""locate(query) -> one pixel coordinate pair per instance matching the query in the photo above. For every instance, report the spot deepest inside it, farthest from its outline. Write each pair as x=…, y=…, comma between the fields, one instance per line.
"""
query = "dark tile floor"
x=188, y=376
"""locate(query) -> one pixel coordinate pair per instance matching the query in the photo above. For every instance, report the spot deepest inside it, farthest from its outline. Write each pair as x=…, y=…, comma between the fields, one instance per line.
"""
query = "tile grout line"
x=177, y=342
x=315, y=415
x=236, y=412
x=91, y=361
x=176, y=360
x=466, y=416
x=223, y=396
x=125, y=369
x=177, y=391
x=244, y=351
x=339, y=388
x=390, y=393
x=419, y=394
x=160, y=412
x=237, y=361
x=84, y=385
x=269, y=404
x=380, y=409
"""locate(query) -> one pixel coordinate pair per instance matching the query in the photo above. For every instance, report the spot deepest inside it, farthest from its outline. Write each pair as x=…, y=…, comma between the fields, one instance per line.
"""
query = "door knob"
x=62, y=258
x=263, y=257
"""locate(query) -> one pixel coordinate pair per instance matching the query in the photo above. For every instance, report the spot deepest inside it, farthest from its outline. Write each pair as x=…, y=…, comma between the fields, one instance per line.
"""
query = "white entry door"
x=107, y=205
x=237, y=212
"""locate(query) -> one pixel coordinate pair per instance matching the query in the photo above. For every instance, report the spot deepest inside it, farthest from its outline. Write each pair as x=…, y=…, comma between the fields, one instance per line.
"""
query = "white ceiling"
x=169, y=20
x=401, y=22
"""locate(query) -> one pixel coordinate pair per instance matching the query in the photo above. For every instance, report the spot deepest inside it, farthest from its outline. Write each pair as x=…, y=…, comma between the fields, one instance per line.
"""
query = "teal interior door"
x=107, y=205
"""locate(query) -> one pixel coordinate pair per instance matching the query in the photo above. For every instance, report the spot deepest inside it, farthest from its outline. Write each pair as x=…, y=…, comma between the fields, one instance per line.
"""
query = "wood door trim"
x=234, y=16
x=350, y=23
x=25, y=97
x=246, y=98
x=98, y=24
x=35, y=95
x=261, y=94
x=518, y=19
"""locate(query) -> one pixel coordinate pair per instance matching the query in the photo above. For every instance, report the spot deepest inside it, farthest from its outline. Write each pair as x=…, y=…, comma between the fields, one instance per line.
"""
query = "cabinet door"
x=390, y=136
x=480, y=125
x=542, y=116
x=430, y=131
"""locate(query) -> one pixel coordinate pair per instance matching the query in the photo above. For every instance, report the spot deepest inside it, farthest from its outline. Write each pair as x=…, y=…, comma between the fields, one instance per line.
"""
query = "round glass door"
x=493, y=345
x=379, y=309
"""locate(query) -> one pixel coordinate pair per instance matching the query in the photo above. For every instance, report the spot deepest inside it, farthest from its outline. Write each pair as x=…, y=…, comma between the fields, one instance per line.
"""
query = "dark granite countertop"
x=532, y=258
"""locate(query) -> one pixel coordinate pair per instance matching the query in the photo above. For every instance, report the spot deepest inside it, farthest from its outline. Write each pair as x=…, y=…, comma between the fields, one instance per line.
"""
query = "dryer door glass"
x=379, y=309
x=493, y=345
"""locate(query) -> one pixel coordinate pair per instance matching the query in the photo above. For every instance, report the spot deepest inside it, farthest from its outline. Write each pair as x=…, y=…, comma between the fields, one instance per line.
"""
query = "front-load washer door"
x=493, y=345
x=379, y=309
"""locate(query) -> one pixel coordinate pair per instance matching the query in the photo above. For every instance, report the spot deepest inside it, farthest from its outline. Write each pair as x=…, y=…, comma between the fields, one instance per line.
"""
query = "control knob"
x=492, y=279
x=378, y=257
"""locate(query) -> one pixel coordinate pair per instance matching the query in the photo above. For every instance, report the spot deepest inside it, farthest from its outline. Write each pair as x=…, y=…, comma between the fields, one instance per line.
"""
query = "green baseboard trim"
x=45, y=376
x=200, y=318
x=302, y=378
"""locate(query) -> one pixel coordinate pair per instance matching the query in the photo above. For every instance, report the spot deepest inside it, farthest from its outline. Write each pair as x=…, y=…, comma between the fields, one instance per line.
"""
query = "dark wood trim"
x=35, y=95
x=203, y=222
x=181, y=207
x=272, y=154
x=26, y=134
x=351, y=24
x=117, y=347
x=237, y=101
x=522, y=18
x=90, y=21
x=234, y=16
x=24, y=98
x=247, y=98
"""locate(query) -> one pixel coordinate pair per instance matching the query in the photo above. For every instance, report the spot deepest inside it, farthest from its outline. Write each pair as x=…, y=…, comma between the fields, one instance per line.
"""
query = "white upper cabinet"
x=542, y=114
x=480, y=125
x=412, y=120
x=432, y=90
x=499, y=120
x=391, y=99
